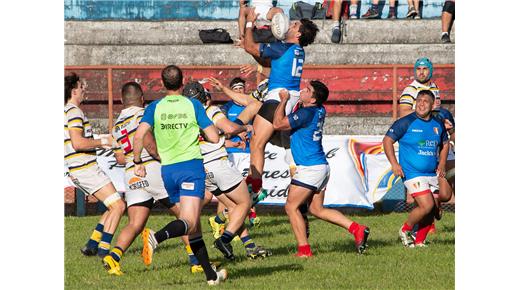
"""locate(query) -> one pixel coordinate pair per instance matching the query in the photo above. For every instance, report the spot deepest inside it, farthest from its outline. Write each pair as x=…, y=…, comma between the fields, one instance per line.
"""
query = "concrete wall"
x=158, y=10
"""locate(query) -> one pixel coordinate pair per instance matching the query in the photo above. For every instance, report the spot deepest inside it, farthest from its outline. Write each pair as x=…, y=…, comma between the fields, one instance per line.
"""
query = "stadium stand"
x=366, y=72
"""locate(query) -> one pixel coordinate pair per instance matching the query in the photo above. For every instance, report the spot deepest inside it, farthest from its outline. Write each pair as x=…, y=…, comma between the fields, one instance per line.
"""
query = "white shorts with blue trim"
x=313, y=177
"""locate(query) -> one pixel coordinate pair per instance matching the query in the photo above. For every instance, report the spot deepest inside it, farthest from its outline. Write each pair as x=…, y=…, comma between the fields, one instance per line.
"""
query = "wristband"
x=104, y=141
x=249, y=25
x=138, y=162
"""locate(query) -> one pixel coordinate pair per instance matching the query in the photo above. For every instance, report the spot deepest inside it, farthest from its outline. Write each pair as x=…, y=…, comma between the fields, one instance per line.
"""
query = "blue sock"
x=227, y=237
x=193, y=259
x=104, y=244
x=218, y=220
x=248, y=242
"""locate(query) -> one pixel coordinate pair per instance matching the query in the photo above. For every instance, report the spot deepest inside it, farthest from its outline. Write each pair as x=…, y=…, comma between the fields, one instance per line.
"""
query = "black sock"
x=174, y=229
x=199, y=249
x=227, y=237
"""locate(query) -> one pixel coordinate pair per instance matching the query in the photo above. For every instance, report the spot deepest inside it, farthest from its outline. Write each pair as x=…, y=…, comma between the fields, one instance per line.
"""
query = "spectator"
x=336, y=14
x=263, y=8
x=447, y=18
x=373, y=11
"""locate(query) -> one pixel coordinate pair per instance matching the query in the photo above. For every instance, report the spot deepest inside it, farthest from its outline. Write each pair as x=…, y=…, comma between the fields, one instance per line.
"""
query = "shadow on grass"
x=448, y=228
x=264, y=271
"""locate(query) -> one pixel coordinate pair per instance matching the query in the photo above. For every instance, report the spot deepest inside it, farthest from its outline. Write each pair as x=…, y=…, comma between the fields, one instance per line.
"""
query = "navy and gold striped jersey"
x=124, y=131
x=213, y=151
x=410, y=93
x=74, y=119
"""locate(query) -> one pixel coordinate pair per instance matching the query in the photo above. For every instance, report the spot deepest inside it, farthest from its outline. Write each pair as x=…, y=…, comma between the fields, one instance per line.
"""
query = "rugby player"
x=80, y=157
x=423, y=72
x=175, y=122
x=286, y=62
x=224, y=181
x=423, y=150
x=312, y=169
x=140, y=193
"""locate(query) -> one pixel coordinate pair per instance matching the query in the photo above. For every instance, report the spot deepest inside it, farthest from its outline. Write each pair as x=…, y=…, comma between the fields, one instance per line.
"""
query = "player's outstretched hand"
x=247, y=69
x=215, y=83
x=284, y=95
x=140, y=170
x=397, y=170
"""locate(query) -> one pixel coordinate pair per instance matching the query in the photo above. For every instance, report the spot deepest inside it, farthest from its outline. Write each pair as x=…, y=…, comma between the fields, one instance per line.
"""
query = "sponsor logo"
x=188, y=185
x=426, y=153
x=136, y=183
x=331, y=153
x=436, y=130
x=296, y=52
x=174, y=126
x=417, y=185
x=295, y=117
x=417, y=130
x=428, y=143
x=172, y=101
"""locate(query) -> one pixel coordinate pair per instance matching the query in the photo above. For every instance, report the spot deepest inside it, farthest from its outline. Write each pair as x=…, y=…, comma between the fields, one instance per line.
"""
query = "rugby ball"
x=280, y=25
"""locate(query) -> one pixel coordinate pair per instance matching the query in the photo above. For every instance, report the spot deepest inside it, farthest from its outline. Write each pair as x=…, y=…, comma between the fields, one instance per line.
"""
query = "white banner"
x=360, y=173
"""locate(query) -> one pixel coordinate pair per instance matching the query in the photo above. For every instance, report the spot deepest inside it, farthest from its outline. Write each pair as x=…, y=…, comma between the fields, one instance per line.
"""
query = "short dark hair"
x=321, y=92
x=308, y=31
x=71, y=82
x=172, y=77
x=426, y=92
x=130, y=91
x=237, y=80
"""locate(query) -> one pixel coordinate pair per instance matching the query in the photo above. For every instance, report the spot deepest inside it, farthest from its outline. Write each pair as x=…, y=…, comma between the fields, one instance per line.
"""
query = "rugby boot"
x=86, y=251
x=258, y=252
x=225, y=249
x=406, y=238
x=149, y=245
x=112, y=266
x=216, y=228
x=360, y=238
x=221, y=277
x=198, y=268
x=371, y=14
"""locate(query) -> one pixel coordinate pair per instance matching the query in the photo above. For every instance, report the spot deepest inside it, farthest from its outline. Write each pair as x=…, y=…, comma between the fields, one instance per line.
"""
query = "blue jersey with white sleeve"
x=232, y=111
x=419, y=144
x=286, y=64
x=306, y=135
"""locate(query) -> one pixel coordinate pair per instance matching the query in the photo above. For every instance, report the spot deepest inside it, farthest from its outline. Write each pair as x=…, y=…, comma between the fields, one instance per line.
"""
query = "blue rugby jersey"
x=232, y=111
x=286, y=64
x=419, y=143
x=307, y=134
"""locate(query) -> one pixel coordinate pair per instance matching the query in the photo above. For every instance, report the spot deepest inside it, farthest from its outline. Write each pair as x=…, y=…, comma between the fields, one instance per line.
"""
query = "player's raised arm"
x=250, y=45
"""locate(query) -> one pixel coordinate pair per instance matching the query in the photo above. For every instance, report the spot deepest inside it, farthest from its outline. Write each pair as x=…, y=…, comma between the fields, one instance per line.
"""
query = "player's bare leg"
x=298, y=195
x=360, y=232
x=263, y=130
x=425, y=204
x=116, y=207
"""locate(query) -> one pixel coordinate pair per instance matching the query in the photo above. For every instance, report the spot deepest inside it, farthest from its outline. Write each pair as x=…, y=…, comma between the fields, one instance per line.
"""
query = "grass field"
x=335, y=265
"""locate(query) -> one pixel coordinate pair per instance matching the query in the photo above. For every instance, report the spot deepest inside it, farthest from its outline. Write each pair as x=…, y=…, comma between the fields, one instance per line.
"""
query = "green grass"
x=335, y=265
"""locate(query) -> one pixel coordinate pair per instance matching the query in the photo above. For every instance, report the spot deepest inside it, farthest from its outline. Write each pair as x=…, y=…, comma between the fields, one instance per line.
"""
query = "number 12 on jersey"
x=297, y=67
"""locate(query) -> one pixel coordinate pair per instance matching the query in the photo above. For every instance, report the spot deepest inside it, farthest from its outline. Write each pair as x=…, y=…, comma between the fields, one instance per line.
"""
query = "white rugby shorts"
x=313, y=177
x=294, y=97
x=240, y=161
x=220, y=176
x=421, y=185
x=90, y=179
x=141, y=189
